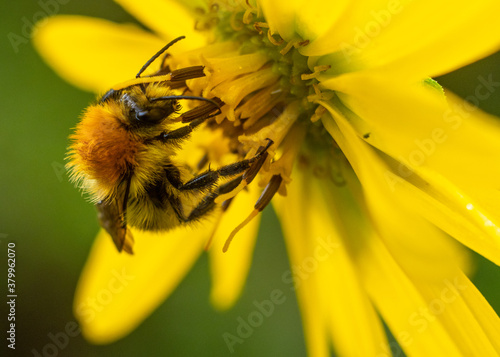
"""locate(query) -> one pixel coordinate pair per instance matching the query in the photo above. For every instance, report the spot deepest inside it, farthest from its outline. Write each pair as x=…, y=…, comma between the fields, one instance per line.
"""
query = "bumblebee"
x=122, y=154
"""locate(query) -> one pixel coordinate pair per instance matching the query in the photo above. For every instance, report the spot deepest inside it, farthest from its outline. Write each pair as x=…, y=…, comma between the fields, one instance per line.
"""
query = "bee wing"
x=110, y=215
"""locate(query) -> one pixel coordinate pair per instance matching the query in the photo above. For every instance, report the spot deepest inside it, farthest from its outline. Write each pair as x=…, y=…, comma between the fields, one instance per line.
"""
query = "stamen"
x=248, y=16
x=227, y=196
x=283, y=166
x=264, y=199
x=277, y=130
x=206, y=20
x=268, y=193
x=274, y=41
x=249, y=6
x=259, y=25
x=236, y=24
x=238, y=228
x=224, y=207
x=214, y=8
x=200, y=111
x=318, y=113
x=232, y=92
x=259, y=105
x=319, y=95
x=225, y=69
x=294, y=43
x=316, y=73
x=250, y=174
x=301, y=43
x=250, y=11
x=184, y=74
x=287, y=48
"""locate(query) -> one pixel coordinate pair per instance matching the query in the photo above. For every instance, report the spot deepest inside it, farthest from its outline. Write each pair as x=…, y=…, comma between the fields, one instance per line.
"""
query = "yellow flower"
x=384, y=180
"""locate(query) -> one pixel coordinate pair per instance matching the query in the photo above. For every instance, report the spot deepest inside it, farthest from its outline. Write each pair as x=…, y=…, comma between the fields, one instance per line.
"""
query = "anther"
x=203, y=110
x=184, y=74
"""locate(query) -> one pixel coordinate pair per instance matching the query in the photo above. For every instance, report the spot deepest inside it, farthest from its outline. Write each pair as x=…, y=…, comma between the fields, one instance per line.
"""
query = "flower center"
x=267, y=89
x=254, y=72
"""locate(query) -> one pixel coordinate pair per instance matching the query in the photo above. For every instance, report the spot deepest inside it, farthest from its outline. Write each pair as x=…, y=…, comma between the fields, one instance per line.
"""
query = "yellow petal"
x=430, y=316
x=94, y=54
x=229, y=270
x=169, y=19
x=280, y=15
x=116, y=292
x=314, y=17
x=356, y=329
x=441, y=202
x=411, y=39
x=417, y=127
x=466, y=314
x=306, y=19
x=324, y=274
x=351, y=17
x=419, y=247
x=484, y=313
x=420, y=42
x=426, y=319
x=450, y=150
x=296, y=233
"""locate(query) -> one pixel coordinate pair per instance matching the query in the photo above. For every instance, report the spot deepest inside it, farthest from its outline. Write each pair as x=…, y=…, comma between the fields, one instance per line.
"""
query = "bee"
x=122, y=154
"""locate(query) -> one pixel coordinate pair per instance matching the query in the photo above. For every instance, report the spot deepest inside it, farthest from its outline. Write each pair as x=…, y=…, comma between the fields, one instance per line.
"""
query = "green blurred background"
x=53, y=227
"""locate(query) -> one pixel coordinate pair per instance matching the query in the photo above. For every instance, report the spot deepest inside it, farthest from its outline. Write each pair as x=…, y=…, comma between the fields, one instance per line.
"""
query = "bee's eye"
x=153, y=115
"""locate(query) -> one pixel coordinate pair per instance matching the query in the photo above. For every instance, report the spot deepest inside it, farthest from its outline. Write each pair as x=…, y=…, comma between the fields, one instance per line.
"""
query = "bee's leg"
x=205, y=205
x=209, y=178
x=208, y=202
x=113, y=218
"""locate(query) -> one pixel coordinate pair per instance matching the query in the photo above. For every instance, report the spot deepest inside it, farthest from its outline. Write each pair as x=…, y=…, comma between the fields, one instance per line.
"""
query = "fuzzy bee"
x=122, y=155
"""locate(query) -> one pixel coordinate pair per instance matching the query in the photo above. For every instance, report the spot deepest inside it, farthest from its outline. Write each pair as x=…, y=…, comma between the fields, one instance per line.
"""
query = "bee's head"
x=150, y=107
x=143, y=107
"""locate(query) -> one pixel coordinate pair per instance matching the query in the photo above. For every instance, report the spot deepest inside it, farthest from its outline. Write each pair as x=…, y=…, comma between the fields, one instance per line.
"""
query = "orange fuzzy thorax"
x=102, y=150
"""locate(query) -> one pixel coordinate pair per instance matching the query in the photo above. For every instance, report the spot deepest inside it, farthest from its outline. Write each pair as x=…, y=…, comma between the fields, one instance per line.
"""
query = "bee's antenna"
x=169, y=97
x=158, y=54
